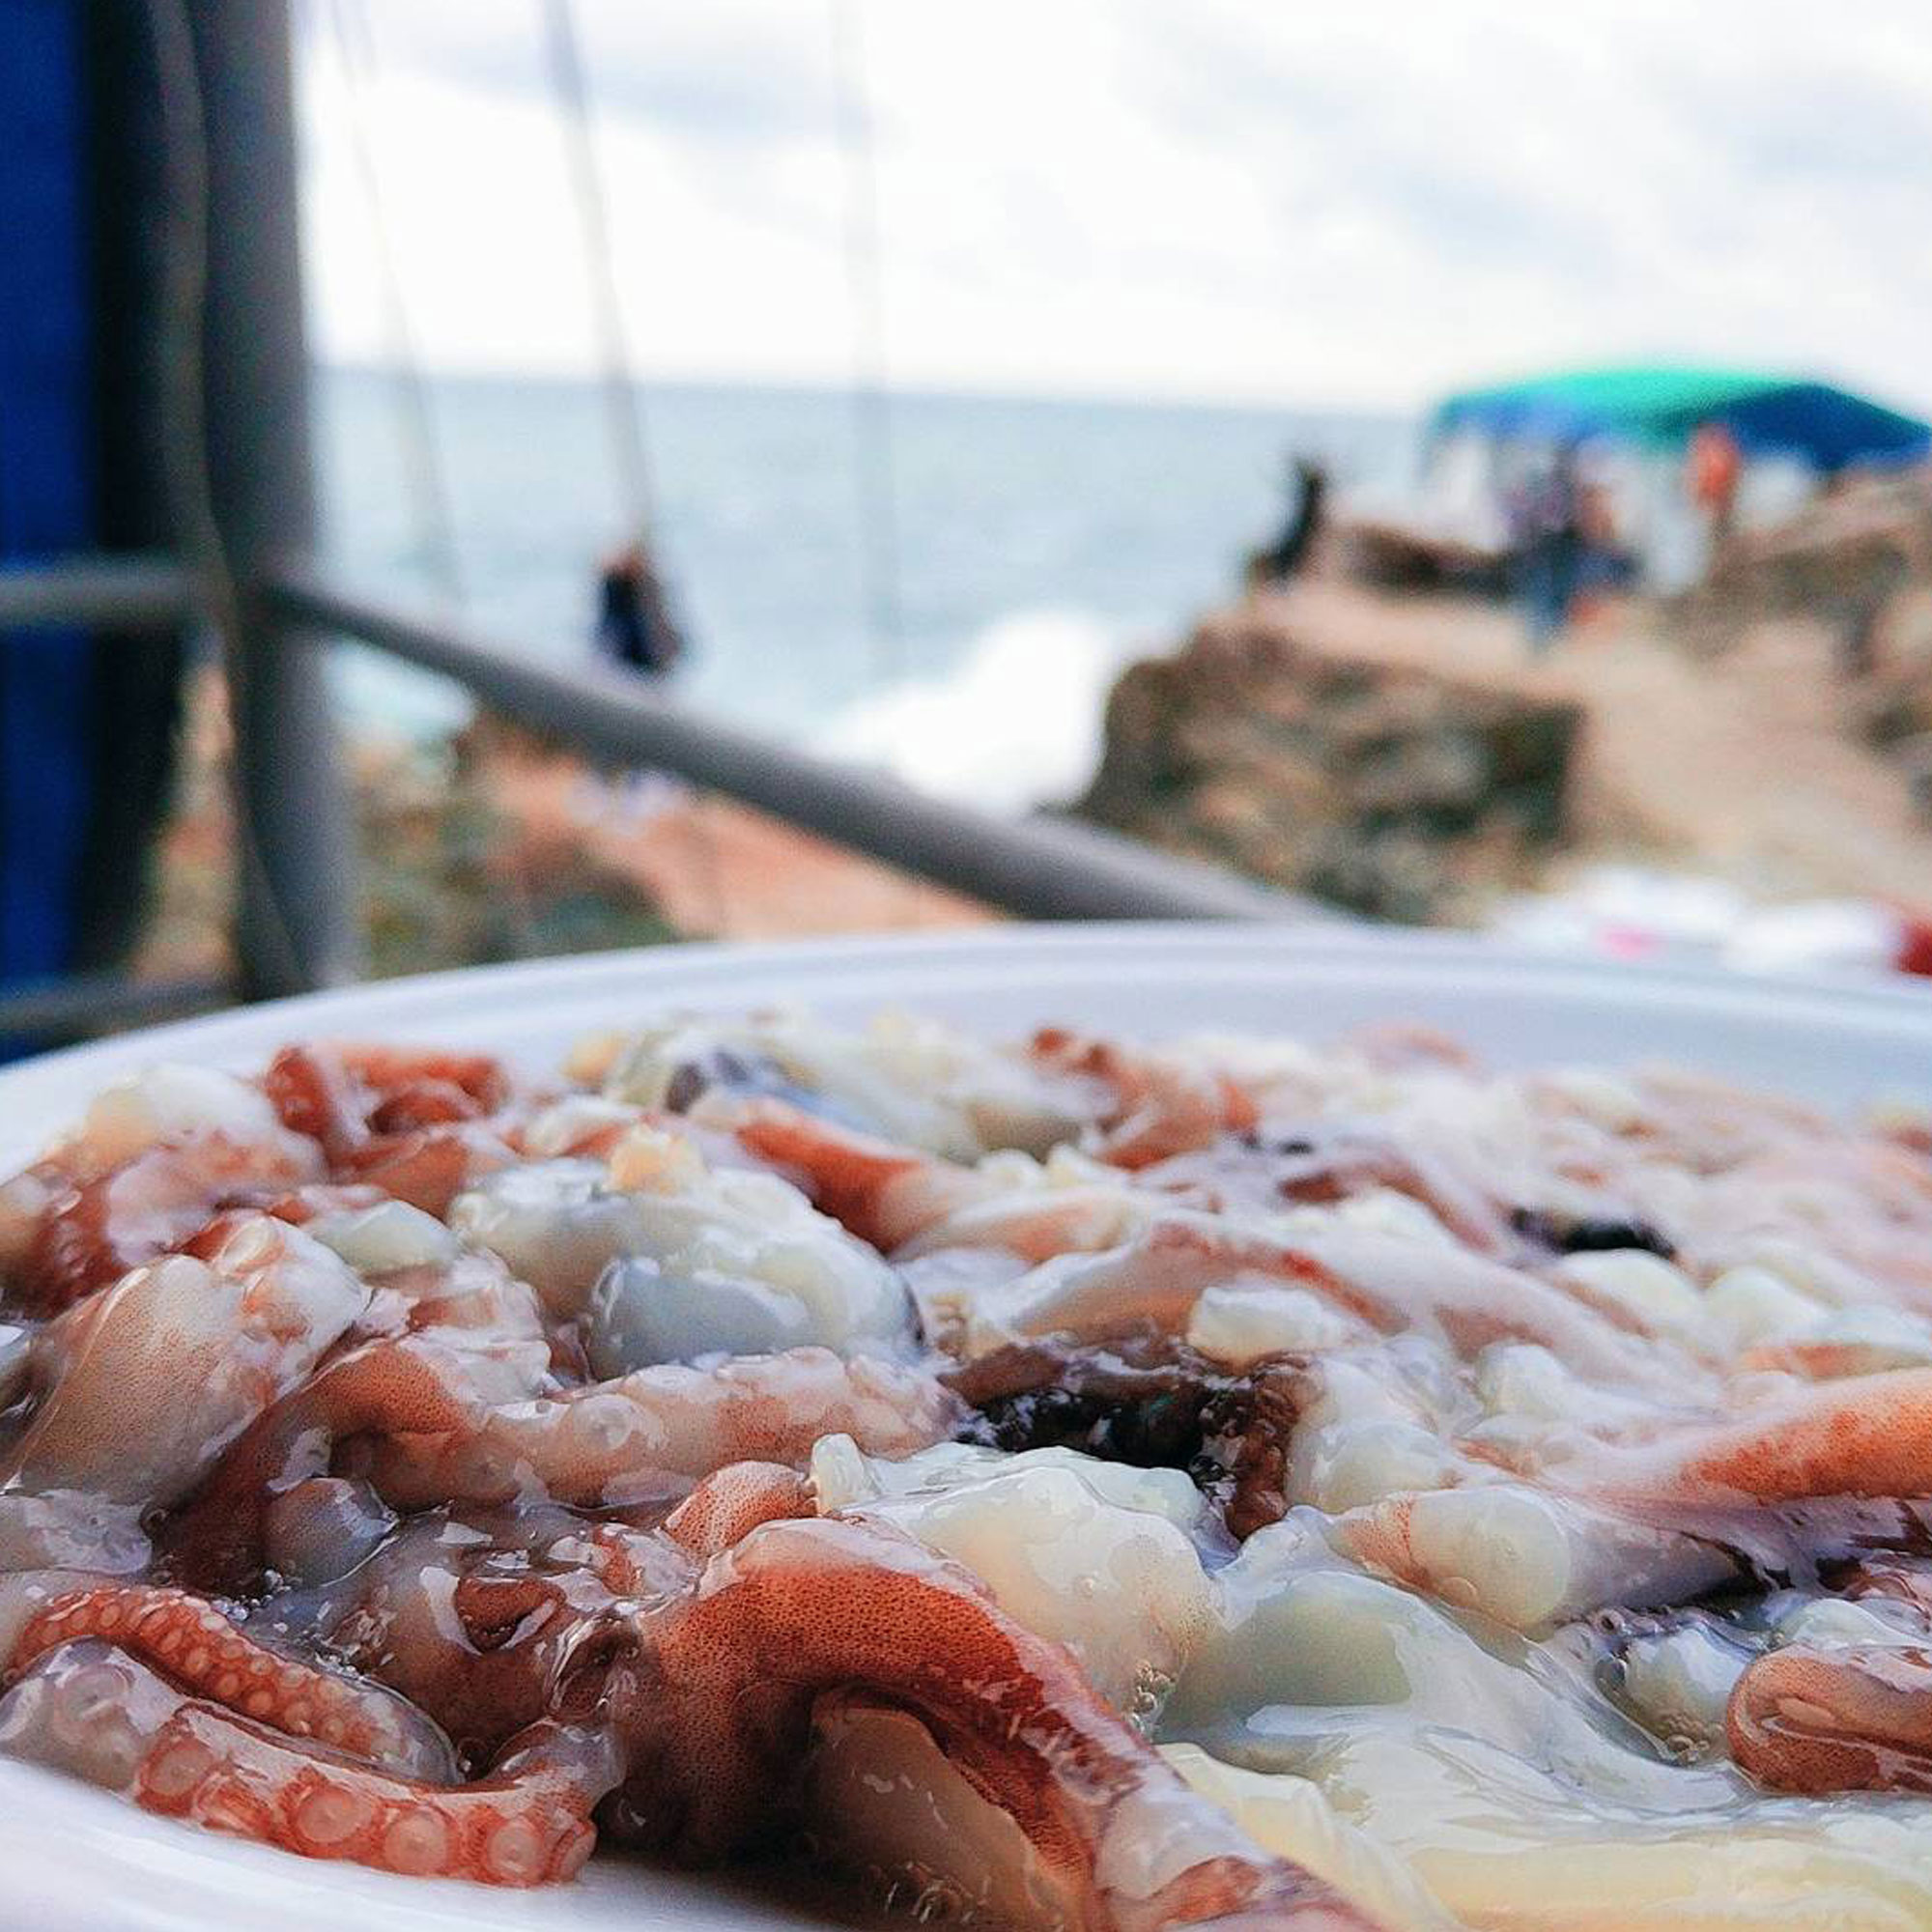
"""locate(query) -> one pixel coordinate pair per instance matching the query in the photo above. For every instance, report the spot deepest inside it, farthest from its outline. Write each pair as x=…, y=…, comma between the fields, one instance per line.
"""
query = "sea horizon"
x=964, y=635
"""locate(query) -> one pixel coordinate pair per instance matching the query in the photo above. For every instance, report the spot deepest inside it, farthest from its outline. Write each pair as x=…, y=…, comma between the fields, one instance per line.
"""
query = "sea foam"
x=1015, y=722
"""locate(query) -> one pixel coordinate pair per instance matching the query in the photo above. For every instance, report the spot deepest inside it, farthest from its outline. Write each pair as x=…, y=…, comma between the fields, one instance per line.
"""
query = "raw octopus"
x=1081, y=1486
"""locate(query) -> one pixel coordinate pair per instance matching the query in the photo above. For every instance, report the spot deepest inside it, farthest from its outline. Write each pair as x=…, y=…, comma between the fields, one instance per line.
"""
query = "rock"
x=1387, y=789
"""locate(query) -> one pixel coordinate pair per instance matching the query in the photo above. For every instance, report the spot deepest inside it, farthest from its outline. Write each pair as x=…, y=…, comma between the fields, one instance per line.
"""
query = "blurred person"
x=634, y=625
x=1605, y=564
x=1543, y=514
x=635, y=628
x=1308, y=497
x=1713, y=466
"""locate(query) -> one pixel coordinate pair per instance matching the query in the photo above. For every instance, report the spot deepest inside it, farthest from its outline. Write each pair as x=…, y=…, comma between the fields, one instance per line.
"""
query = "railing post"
x=295, y=920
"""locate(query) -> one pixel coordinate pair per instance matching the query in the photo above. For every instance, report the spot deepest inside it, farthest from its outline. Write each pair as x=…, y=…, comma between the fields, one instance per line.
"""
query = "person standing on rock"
x=1544, y=513
x=634, y=625
x=1308, y=487
x=635, y=629
x=1716, y=465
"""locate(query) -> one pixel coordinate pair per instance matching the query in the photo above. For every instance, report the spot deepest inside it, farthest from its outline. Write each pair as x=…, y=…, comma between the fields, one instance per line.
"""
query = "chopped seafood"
x=1086, y=1484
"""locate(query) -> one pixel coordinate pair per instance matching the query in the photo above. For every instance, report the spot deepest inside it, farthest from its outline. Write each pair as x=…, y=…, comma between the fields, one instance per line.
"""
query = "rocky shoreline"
x=1391, y=790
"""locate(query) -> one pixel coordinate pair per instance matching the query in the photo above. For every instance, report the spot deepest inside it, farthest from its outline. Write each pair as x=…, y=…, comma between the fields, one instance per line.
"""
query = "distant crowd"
x=1564, y=548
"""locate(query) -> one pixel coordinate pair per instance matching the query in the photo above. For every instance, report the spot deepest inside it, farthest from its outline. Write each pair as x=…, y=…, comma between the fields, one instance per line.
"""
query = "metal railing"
x=118, y=593
x=1037, y=868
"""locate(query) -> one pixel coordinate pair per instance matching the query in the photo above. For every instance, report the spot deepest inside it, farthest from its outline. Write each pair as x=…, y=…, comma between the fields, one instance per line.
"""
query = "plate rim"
x=1835, y=998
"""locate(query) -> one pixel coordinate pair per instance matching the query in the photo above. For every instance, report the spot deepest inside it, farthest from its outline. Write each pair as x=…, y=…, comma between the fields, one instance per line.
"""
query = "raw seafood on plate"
x=1080, y=1484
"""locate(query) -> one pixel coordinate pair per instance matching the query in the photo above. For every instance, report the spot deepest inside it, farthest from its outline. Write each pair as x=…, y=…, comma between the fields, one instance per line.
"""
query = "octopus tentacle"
x=200, y=1650
x=91, y=1232
x=908, y=1203
x=520, y=1827
x=1820, y=1720
x=412, y=1124
x=154, y=1379
x=1156, y=1106
x=428, y=1167
x=726, y=1508
x=342, y=1094
x=877, y=1189
x=409, y=1388
x=97, y=1711
x=587, y=1446
x=797, y=1610
x=1870, y=1436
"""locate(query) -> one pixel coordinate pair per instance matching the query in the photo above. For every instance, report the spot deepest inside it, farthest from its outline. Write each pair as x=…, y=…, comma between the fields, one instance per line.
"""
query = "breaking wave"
x=1015, y=722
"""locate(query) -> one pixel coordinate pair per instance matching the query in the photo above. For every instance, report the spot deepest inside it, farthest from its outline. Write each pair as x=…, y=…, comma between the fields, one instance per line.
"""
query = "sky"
x=1343, y=203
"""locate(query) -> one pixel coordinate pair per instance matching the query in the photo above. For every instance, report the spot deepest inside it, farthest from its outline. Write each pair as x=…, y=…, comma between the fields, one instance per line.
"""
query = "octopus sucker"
x=162, y=1626
x=1085, y=1485
x=527, y=1827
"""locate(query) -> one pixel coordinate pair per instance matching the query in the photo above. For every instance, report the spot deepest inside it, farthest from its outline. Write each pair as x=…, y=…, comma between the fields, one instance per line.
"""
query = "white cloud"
x=1358, y=204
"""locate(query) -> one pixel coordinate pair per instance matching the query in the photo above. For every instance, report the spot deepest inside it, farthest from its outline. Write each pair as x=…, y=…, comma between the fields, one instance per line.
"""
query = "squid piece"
x=1857, y=1718
x=152, y=1379
x=875, y=1189
x=1153, y=1105
x=1308, y=1655
x=1291, y=1816
x=1851, y=1342
x=1384, y=1285
x=620, y=1441
x=1677, y=1681
x=416, y=1124
x=1865, y=1436
x=152, y=1158
x=687, y=1238
x=908, y=1203
x=1521, y=1857
x=1318, y=1162
x=1527, y=1558
x=912, y=1081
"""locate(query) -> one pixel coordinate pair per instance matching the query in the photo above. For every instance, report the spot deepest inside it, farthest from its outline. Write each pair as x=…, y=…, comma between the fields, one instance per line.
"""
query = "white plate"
x=73, y=1859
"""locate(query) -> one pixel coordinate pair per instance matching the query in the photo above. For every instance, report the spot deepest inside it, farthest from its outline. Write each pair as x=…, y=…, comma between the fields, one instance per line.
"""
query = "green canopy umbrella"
x=1661, y=404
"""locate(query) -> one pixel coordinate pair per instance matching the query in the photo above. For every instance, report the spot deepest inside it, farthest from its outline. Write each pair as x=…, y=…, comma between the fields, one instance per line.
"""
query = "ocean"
x=1039, y=544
